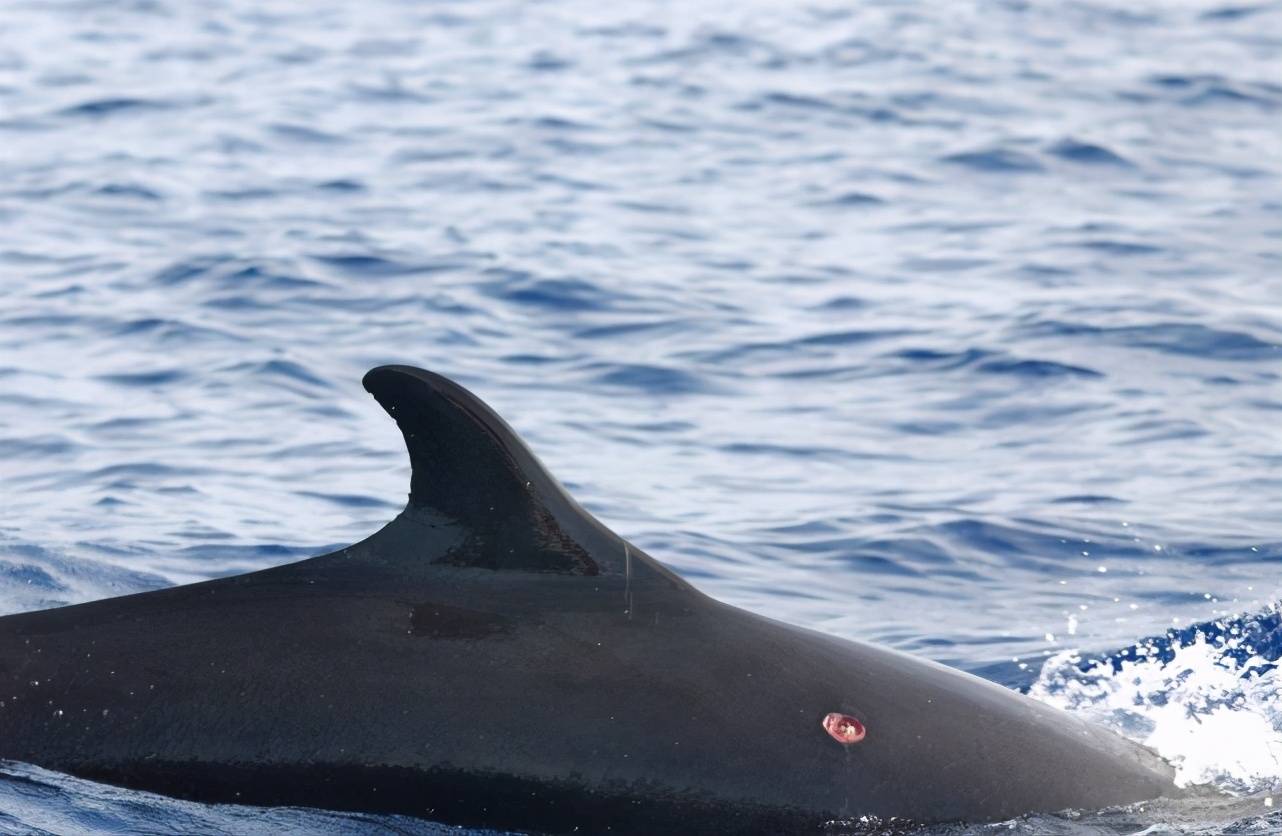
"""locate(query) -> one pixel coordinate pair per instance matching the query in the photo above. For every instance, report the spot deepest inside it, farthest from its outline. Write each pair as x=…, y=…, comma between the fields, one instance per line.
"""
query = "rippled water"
x=954, y=327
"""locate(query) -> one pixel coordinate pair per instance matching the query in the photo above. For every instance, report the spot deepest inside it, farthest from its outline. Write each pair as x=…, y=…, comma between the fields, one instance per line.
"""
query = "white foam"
x=1216, y=718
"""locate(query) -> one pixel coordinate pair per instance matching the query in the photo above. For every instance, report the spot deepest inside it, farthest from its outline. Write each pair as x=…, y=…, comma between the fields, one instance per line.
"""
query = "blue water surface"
x=954, y=327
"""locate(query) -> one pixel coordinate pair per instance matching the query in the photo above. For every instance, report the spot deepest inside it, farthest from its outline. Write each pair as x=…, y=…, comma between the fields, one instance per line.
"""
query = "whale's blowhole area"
x=843, y=728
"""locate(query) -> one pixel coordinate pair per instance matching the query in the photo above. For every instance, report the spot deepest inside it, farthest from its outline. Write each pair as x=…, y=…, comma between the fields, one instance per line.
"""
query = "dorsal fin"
x=472, y=471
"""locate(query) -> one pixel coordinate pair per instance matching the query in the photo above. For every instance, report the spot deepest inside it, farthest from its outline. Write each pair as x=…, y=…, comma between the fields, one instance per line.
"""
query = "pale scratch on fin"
x=627, y=578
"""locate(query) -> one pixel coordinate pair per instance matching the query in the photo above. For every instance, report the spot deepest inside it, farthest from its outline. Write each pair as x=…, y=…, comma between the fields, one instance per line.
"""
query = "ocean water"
x=955, y=327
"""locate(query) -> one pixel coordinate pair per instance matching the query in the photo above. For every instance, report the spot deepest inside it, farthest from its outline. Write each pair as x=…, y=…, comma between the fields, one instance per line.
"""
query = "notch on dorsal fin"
x=470, y=468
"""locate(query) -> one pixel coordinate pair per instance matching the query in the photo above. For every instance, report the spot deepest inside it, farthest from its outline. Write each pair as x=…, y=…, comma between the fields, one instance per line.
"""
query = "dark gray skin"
x=496, y=657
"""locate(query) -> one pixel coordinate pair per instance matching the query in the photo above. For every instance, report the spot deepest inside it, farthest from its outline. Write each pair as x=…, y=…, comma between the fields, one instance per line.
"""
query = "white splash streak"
x=1214, y=718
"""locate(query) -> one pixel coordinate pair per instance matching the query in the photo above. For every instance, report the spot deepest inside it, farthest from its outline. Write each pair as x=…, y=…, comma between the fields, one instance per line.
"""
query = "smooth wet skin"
x=496, y=657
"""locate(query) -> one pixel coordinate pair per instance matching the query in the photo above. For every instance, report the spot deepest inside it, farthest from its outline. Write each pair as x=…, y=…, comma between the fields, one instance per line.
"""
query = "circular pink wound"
x=844, y=728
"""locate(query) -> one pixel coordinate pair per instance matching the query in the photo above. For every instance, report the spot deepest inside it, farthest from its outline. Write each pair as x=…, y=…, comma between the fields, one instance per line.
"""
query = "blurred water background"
x=955, y=327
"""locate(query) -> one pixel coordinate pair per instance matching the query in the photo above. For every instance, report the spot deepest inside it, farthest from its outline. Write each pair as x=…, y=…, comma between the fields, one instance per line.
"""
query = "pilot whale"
x=496, y=657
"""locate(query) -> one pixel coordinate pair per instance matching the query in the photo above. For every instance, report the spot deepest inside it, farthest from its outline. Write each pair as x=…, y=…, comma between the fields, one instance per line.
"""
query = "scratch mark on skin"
x=627, y=575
